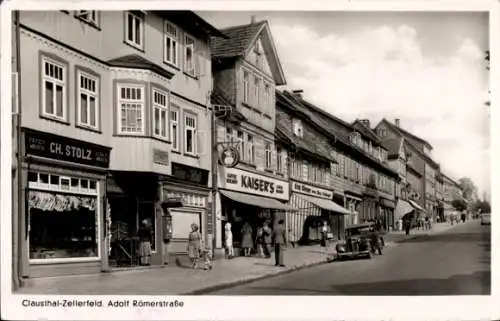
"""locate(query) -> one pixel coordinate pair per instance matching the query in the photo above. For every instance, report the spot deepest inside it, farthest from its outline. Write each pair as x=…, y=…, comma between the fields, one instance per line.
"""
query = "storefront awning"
x=259, y=201
x=415, y=205
x=325, y=204
x=402, y=208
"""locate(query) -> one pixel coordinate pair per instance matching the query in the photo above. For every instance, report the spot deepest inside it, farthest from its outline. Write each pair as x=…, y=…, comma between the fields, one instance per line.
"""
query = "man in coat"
x=279, y=238
x=267, y=238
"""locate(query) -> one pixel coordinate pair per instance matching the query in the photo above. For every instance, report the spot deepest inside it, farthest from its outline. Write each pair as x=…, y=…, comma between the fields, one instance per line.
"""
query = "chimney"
x=396, y=121
x=252, y=19
x=298, y=93
x=365, y=122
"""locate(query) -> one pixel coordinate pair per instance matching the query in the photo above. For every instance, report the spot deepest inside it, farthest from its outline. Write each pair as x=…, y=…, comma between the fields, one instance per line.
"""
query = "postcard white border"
x=246, y=308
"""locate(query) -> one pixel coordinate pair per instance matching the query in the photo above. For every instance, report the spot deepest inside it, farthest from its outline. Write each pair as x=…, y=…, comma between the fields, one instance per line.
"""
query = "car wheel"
x=368, y=256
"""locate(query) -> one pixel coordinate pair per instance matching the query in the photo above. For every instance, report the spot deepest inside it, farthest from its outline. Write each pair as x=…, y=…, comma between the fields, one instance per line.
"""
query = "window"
x=279, y=163
x=246, y=86
x=297, y=128
x=269, y=154
x=258, y=54
x=174, y=128
x=189, y=56
x=89, y=16
x=88, y=101
x=267, y=101
x=170, y=53
x=229, y=135
x=190, y=134
x=241, y=144
x=256, y=92
x=251, y=149
x=54, y=89
x=134, y=29
x=160, y=112
x=131, y=109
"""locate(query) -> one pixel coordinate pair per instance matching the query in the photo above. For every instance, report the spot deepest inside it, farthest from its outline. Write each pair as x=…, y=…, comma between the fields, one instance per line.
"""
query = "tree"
x=484, y=206
x=459, y=205
x=468, y=188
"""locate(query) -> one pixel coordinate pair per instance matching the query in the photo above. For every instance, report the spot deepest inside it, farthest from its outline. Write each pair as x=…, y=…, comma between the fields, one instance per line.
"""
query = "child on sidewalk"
x=206, y=255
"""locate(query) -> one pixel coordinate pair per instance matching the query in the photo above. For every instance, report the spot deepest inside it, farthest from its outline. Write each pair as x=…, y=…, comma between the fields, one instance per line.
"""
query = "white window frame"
x=246, y=86
x=80, y=191
x=55, y=82
x=137, y=19
x=172, y=121
x=89, y=93
x=241, y=143
x=89, y=16
x=279, y=160
x=160, y=107
x=269, y=155
x=190, y=70
x=121, y=100
x=193, y=136
x=256, y=95
x=174, y=44
x=251, y=149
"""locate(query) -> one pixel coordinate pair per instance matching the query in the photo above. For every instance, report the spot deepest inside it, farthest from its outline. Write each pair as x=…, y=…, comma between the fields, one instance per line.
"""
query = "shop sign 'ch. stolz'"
x=66, y=149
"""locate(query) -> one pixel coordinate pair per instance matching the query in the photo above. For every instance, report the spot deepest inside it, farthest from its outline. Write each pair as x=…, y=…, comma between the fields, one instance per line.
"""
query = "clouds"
x=385, y=72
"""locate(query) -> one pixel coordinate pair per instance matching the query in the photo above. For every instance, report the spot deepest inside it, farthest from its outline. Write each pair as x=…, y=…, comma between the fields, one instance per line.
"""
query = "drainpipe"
x=214, y=179
x=20, y=202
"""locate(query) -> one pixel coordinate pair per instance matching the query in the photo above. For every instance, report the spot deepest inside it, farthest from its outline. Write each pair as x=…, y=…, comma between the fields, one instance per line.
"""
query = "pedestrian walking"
x=259, y=241
x=268, y=238
x=431, y=221
x=246, y=241
x=228, y=241
x=426, y=222
x=407, y=225
x=144, y=234
x=292, y=238
x=279, y=240
x=194, y=245
x=325, y=231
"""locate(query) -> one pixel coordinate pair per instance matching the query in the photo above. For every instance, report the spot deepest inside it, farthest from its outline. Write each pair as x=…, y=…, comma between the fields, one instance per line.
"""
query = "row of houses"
x=126, y=116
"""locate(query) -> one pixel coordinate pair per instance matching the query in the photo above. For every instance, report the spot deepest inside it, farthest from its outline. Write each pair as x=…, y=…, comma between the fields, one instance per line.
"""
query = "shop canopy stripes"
x=402, y=208
x=263, y=202
x=325, y=204
x=415, y=205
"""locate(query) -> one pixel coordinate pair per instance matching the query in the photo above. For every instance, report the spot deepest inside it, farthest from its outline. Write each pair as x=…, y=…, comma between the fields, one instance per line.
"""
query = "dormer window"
x=298, y=130
x=355, y=138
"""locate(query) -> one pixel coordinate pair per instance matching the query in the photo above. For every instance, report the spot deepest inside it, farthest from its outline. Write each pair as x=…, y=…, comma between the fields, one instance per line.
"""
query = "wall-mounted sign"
x=65, y=149
x=187, y=199
x=160, y=157
x=247, y=182
x=190, y=174
x=311, y=190
x=229, y=157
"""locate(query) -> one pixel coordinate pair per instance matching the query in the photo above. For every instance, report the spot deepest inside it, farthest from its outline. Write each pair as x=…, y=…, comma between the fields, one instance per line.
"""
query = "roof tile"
x=238, y=40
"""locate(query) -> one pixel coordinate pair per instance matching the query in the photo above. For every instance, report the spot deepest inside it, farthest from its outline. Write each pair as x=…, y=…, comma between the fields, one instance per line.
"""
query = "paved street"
x=456, y=261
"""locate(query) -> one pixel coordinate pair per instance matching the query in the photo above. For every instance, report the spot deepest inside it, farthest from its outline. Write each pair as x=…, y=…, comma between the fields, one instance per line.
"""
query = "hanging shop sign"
x=247, y=182
x=66, y=149
x=229, y=157
x=311, y=190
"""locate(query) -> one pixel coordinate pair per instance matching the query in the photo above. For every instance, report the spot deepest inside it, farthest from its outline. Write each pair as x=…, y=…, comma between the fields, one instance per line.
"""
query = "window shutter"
x=274, y=158
x=305, y=171
x=284, y=162
x=201, y=142
x=198, y=54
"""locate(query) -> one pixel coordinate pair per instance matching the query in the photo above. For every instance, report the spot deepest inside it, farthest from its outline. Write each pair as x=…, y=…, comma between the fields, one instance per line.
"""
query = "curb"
x=250, y=279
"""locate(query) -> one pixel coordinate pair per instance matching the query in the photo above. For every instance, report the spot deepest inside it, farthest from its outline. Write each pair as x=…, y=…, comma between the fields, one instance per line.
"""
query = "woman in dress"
x=246, y=240
x=229, y=241
x=292, y=238
x=194, y=245
x=144, y=234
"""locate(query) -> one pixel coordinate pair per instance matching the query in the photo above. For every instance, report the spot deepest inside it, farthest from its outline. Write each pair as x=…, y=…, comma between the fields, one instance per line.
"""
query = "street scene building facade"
x=134, y=126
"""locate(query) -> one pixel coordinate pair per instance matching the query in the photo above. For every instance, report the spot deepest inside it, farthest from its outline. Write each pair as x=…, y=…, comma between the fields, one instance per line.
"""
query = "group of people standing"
x=262, y=243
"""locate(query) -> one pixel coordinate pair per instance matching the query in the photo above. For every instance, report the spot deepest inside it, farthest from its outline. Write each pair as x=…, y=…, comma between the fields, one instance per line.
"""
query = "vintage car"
x=359, y=242
x=486, y=219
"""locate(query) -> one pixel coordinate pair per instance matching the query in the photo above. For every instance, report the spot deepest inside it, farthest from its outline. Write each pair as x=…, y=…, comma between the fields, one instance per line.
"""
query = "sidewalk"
x=177, y=280
x=399, y=236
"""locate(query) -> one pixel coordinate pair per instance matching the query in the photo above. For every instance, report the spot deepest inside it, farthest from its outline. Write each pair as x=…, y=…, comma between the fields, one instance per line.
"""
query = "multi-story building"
x=422, y=169
x=113, y=127
x=246, y=71
x=451, y=192
x=309, y=147
x=360, y=178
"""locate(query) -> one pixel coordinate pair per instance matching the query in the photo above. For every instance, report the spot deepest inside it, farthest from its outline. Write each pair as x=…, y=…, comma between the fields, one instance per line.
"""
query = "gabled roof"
x=392, y=145
x=367, y=132
x=139, y=62
x=405, y=133
x=240, y=40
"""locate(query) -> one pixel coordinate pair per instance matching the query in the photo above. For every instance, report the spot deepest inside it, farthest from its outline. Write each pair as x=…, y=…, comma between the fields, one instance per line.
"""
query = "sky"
x=425, y=68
